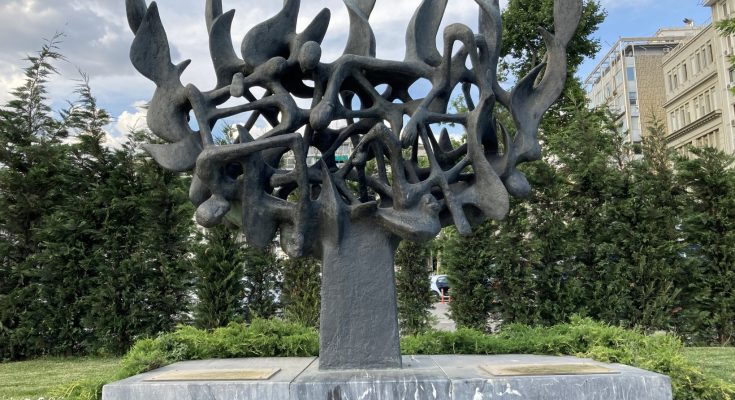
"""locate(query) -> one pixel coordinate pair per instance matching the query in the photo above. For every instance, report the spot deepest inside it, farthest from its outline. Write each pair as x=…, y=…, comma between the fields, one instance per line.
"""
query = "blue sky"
x=98, y=38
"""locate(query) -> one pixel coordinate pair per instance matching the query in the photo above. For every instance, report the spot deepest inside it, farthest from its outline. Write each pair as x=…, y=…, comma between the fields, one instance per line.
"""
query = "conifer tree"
x=31, y=182
x=70, y=233
x=413, y=287
x=709, y=230
x=469, y=263
x=649, y=242
x=143, y=282
x=218, y=269
x=93, y=242
x=263, y=279
x=301, y=296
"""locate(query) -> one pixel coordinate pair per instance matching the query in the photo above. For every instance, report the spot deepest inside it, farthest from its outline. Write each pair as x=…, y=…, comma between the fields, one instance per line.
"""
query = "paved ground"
x=441, y=312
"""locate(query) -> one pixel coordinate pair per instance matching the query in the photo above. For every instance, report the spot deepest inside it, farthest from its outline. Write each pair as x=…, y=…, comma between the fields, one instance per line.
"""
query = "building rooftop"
x=664, y=37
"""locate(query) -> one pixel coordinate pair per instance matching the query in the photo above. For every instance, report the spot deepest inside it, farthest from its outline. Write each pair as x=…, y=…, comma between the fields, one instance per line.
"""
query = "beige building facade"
x=630, y=81
x=700, y=107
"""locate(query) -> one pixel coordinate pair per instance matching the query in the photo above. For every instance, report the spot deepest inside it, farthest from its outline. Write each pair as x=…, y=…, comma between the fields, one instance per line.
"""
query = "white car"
x=439, y=283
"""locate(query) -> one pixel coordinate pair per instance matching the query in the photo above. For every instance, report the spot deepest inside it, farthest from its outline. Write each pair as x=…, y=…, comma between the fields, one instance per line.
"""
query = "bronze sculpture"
x=353, y=214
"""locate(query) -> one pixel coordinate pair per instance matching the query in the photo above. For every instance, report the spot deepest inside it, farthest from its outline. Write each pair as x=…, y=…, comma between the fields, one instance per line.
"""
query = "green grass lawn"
x=715, y=361
x=35, y=379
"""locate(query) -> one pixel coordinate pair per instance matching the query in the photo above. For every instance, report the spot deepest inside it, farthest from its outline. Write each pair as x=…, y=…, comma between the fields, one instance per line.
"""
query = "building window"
x=697, y=63
x=701, y=58
x=631, y=73
x=633, y=97
x=702, y=108
x=710, y=56
x=687, y=114
x=696, y=109
x=682, y=118
x=674, y=125
x=684, y=73
x=618, y=78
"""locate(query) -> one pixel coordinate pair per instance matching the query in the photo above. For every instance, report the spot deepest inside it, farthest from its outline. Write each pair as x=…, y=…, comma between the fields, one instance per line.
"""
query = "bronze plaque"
x=547, y=369
x=262, y=374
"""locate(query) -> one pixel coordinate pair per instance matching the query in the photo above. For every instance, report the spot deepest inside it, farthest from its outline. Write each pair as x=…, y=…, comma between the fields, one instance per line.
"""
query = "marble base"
x=422, y=377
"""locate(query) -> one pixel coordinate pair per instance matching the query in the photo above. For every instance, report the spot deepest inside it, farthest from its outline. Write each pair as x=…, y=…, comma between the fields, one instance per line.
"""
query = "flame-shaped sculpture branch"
x=337, y=208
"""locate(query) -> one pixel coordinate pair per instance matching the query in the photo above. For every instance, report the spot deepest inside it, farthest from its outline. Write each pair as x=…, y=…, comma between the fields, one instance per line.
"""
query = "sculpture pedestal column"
x=359, y=314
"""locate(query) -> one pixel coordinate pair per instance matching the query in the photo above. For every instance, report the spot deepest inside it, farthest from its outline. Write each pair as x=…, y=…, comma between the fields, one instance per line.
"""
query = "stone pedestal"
x=422, y=378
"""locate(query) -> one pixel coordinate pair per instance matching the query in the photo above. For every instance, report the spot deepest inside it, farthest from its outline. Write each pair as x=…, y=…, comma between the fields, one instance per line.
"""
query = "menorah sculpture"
x=353, y=214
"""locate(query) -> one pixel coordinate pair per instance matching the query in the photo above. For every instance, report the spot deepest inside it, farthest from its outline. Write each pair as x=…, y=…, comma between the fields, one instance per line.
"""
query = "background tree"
x=262, y=282
x=544, y=254
x=32, y=159
x=597, y=237
x=647, y=241
x=94, y=241
x=219, y=286
x=709, y=230
x=524, y=267
x=70, y=232
x=413, y=287
x=144, y=276
x=301, y=295
x=522, y=42
x=469, y=264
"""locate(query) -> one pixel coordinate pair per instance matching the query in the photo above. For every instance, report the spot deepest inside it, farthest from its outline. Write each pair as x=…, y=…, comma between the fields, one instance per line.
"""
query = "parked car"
x=439, y=285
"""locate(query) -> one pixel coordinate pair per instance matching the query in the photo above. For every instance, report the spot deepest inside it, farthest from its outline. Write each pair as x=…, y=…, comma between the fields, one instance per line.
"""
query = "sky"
x=97, y=40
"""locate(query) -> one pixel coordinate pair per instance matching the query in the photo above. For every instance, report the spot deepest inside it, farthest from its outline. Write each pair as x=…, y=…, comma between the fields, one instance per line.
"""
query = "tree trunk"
x=359, y=314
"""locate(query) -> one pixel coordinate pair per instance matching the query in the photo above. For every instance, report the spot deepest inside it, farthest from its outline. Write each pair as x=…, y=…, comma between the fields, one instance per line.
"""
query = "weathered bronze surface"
x=547, y=369
x=216, y=375
x=351, y=214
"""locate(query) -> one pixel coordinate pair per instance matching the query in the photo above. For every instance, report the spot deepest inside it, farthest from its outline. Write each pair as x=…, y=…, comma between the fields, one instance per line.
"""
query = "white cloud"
x=127, y=122
x=98, y=39
x=10, y=78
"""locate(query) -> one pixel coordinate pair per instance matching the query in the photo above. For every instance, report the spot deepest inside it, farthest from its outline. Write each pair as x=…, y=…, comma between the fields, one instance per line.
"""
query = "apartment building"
x=700, y=107
x=630, y=81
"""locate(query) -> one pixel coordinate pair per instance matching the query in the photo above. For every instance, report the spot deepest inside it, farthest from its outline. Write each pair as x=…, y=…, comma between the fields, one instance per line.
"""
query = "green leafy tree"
x=522, y=42
x=413, y=287
x=709, y=229
x=301, y=295
x=219, y=287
